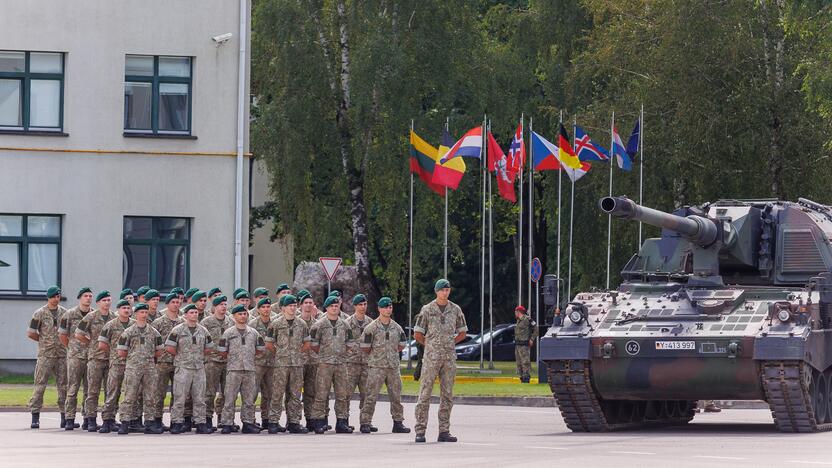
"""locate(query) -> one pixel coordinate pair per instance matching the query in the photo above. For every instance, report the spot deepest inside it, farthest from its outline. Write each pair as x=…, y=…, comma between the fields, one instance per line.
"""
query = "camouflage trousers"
x=76, y=377
x=378, y=376
x=328, y=376
x=522, y=357
x=188, y=385
x=357, y=377
x=164, y=378
x=115, y=377
x=310, y=372
x=263, y=379
x=139, y=380
x=96, y=381
x=446, y=371
x=214, y=387
x=286, y=385
x=243, y=383
x=45, y=367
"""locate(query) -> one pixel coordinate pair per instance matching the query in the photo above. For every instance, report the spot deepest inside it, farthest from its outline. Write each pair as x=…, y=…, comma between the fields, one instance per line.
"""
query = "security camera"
x=222, y=38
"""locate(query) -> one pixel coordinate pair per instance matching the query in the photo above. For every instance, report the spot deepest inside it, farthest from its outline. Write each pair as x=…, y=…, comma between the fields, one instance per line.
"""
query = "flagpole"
x=520, y=231
x=571, y=215
x=483, y=152
x=531, y=220
x=445, y=270
x=490, y=267
x=560, y=181
x=410, y=275
x=609, y=217
x=640, y=166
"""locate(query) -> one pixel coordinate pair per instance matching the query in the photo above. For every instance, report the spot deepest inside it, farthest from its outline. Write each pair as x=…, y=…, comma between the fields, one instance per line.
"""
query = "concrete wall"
x=272, y=261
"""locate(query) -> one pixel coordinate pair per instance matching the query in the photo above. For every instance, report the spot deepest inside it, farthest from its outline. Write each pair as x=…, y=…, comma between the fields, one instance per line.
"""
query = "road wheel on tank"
x=652, y=411
x=663, y=407
x=819, y=394
x=628, y=412
x=610, y=409
x=676, y=409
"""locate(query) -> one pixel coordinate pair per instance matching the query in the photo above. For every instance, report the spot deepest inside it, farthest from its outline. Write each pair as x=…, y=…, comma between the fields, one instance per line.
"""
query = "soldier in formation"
x=264, y=363
x=140, y=345
x=240, y=344
x=288, y=338
x=330, y=338
x=98, y=360
x=76, y=355
x=108, y=343
x=43, y=328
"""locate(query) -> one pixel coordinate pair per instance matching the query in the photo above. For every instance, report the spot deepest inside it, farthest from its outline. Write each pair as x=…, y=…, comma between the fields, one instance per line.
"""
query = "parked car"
x=503, y=344
x=413, y=351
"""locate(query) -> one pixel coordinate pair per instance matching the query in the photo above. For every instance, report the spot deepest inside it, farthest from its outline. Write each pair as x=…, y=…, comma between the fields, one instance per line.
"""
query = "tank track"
x=789, y=387
x=584, y=411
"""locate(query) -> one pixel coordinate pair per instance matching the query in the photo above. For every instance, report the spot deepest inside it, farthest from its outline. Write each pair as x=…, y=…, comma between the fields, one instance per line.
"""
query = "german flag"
x=423, y=159
x=566, y=154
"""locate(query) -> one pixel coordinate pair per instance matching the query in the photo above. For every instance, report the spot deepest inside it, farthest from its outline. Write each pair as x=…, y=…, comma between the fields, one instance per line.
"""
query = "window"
x=31, y=91
x=30, y=253
x=157, y=95
x=156, y=252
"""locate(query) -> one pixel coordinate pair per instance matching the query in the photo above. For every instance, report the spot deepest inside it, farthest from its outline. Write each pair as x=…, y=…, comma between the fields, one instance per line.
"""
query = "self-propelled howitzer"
x=732, y=302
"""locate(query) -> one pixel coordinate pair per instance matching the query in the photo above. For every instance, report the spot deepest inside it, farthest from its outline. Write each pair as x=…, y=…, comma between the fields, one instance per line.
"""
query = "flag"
x=498, y=163
x=587, y=149
x=423, y=158
x=632, y=143
x=575, y=174
x=544, y=153
x=517, y=152
x=566, y=154
x=448, y=174
x=469, y=146
x=621, y=156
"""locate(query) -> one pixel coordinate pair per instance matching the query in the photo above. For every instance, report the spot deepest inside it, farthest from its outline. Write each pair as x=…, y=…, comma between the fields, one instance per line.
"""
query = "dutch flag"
x=469, y=146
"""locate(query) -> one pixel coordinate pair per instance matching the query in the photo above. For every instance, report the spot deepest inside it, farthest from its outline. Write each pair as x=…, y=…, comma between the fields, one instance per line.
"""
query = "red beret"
x=520, y=308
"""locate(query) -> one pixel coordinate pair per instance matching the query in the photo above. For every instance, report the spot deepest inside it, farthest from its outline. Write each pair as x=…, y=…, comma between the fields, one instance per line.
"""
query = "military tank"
x=732, y=302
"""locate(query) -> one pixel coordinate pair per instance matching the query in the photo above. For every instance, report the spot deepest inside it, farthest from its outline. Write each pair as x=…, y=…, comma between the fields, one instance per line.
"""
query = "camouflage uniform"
x=440, y=329
x=333, y=342
x=288, y=338
x=189, y=362
x=215, y=366
x=240, y=379
x=525, y=331
x=51, y=356
x=76, y=360
x=383, y=341
x=164, y=365
x=115, y=374
x=98, y=362
x=141, y=344
x=357, y=371
x=263, y=366
x=310, y=371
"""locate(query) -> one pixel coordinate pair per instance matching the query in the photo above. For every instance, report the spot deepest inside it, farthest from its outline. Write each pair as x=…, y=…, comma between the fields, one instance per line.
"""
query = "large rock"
x=310, y=276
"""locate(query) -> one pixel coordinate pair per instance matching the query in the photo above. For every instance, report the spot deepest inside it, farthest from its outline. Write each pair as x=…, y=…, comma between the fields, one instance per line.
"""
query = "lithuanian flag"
x=423, y=162
x=448, y=174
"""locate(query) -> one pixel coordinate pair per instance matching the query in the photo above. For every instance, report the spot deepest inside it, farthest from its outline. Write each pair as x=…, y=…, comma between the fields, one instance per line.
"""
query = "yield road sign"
x=330, y=266
x=535, y=270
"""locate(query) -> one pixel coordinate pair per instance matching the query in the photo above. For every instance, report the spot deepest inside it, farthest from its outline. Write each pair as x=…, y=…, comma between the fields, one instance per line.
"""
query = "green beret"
x=188, y=307
x=241, y=294
x=335, y=293
x=288, y=299
x=177, y=290
x=198, y=295
x=82, y=291
x=191, y=292
x=442, y=284
x=385, y=302
x=282, y=287
x=102, y=295
x=53, y=291
x=150, y=294
x=358, y=299
x=236, y=291
x=122, y=303
x=125, y=292
x=171, y=296
x=264, y=301
x=260, y=292
x=213, y=291
x=239, y=308
x=140, y=306
x=142, y=290
x=302, y=294
x=330, y=300
x=219, y=300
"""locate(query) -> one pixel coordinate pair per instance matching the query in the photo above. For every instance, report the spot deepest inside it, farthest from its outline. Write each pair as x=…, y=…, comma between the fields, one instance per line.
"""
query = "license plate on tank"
x=675, y=345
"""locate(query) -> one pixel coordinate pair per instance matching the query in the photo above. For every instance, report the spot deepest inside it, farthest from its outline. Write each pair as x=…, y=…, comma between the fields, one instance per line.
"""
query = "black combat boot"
x=153, y=427
x=124, y=429
x=106, y=426
x=372, y=428
x=250, y=428
x=420, y=438
x=63, y=420
x=135, y=425
x=446, y=437
x=310, y=424
x=235, y=428
x=209, y=421
x=264, y=424
x=203, y=428
x=86, y=424
x=320, y=426
x=69, y=424
x=226, y=429
x=342, y=427
x=159, y=422
x=188, y=424
x=295, y=428
x=35, y=421
x=92, y=424
x=400, y=428
x=365, y=429
x=177, y=428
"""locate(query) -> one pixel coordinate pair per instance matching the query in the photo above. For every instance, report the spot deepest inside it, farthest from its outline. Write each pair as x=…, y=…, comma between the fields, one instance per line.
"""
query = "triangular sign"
x=330, y=265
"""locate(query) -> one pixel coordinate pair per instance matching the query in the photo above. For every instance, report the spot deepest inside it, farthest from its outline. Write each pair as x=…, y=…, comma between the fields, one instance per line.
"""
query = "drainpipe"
x=241, y=127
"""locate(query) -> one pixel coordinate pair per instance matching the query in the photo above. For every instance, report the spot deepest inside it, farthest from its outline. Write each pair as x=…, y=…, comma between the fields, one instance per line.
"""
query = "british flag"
x=517, y=152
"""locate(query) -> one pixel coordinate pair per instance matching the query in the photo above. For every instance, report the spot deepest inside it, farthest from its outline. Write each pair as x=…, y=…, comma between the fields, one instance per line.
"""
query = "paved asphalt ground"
x=489, y=436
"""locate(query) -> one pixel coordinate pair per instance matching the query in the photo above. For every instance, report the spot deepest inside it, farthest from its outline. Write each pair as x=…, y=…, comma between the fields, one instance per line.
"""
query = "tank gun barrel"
x=697, y=229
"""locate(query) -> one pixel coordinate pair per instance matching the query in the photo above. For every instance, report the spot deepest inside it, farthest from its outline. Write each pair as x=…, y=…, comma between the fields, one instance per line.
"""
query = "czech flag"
x=544, y=153
x=450, y=173
x=469, y=146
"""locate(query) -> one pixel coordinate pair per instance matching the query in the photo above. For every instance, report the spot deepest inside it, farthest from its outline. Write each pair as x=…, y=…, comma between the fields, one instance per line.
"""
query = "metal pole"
x=531, y=220
x=242, y=100
x=490, y=269
x=640, y=166
x=560, y=182
x=537, y=323
x=571, y=218
x=410, y=276
x=520, y=230
x=445, y=270
x=609, y=217
x=482, y=247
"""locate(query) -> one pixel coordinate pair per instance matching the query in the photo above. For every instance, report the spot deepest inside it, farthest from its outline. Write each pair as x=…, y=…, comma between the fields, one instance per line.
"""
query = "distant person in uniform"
x=525, y=335
x=51, y=354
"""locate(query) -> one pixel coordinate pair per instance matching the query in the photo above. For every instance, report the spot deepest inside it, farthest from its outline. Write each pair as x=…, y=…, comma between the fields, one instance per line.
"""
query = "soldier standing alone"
x=188, y=343
x=240, y=344
x=140, y=345
x=51, y=354
x=525, y=334
x=440, y=327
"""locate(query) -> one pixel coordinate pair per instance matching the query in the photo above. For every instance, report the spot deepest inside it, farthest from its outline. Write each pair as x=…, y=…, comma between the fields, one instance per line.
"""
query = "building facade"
x=118, y=145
